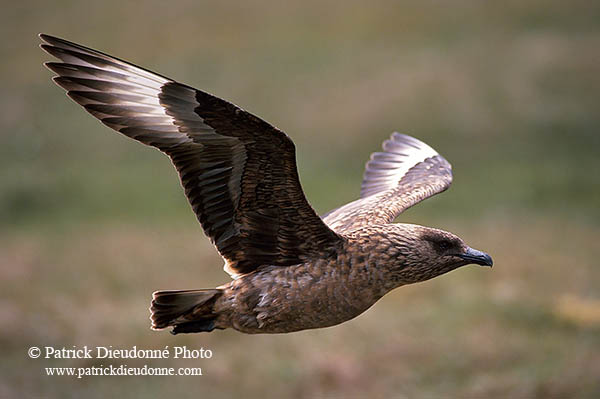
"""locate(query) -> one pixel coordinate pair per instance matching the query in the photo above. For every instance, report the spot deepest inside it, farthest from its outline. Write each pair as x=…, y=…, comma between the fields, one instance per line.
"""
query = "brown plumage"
x=292, y=269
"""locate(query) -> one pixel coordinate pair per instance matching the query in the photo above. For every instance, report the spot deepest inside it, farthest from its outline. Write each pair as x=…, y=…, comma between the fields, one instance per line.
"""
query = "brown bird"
x=292, y=270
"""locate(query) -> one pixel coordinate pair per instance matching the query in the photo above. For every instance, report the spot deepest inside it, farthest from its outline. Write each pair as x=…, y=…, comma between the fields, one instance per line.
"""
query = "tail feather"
x=173, y=308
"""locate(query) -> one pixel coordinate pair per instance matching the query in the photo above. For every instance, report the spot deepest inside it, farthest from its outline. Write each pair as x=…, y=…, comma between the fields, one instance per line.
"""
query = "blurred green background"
x=92, y=223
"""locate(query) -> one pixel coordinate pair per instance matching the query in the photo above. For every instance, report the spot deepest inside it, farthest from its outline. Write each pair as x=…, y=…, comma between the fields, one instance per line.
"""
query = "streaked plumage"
x=292, y=269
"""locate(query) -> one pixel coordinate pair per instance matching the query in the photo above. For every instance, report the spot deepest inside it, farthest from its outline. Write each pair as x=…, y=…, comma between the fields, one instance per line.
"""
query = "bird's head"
x=424, y=253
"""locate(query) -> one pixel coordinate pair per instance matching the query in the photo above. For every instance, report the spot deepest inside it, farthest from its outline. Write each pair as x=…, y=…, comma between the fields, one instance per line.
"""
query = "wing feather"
x=405, y=173
x=238, y=172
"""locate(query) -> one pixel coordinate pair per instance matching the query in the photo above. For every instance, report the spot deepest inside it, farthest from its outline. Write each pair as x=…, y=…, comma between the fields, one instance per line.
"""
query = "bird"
x=290, y=268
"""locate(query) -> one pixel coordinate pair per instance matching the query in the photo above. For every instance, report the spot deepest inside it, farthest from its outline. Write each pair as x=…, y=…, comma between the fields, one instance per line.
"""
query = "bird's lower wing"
x=405, y=173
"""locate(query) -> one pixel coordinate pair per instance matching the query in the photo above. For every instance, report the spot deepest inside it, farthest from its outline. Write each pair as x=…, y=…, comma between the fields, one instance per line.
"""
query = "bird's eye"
x=441, y=244
x=444, y=245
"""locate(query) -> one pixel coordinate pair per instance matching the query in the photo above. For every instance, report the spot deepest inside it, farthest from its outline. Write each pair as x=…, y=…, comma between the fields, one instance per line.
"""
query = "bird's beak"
x=477, y=257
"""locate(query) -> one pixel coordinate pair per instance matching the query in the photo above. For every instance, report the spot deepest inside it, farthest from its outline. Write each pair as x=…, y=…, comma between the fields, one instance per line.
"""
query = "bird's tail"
x=186, y=310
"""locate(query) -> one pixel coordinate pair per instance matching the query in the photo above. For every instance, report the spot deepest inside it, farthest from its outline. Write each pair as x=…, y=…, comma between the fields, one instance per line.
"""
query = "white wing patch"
x=119, y=94
x=229, y=270
x=72, y=53
x=385, y=169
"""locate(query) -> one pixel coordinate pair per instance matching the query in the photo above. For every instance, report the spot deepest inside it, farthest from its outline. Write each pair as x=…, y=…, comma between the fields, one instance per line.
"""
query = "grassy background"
x=91, y=223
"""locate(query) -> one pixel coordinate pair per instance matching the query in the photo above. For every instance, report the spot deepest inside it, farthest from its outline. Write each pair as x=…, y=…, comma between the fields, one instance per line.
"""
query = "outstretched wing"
x=405, y=173
x=239, y=172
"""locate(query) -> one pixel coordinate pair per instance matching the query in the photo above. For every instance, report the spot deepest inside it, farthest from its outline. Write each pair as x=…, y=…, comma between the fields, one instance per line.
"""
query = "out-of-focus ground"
x=91, y=223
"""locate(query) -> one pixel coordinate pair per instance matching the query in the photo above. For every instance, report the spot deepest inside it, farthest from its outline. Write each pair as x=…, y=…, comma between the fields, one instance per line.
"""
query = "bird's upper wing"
x=239, y=172
x=405, y=173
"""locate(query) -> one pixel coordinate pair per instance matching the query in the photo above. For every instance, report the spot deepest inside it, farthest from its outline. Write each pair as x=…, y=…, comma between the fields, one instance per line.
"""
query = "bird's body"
x=292, y=269
x=314, y=294
x=318, y=293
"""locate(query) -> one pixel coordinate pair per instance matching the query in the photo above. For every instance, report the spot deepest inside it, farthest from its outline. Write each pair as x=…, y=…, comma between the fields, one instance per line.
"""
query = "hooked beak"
x=477, y=257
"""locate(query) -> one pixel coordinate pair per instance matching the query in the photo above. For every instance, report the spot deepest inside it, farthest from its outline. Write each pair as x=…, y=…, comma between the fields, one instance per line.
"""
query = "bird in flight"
x=291, y=269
